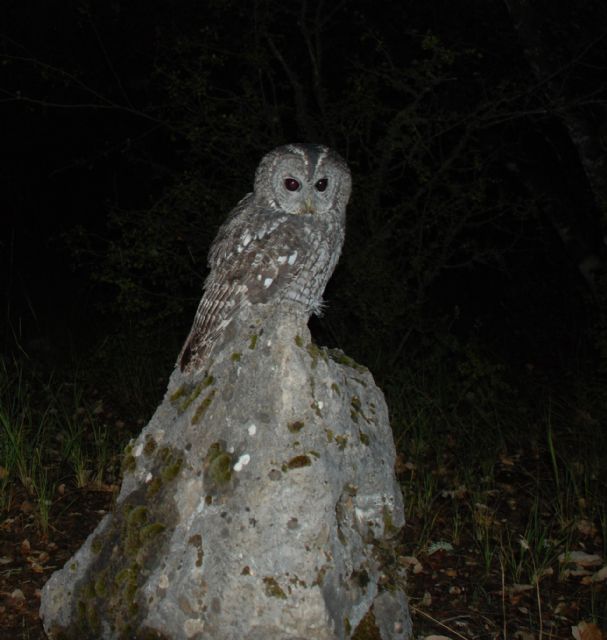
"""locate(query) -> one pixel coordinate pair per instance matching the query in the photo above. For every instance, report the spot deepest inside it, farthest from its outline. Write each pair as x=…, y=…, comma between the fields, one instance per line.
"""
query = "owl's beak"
x=308, y=206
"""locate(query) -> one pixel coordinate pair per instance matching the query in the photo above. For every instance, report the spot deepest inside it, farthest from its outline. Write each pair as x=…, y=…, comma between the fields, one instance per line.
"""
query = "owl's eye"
x=291, y=184
x=321, y=184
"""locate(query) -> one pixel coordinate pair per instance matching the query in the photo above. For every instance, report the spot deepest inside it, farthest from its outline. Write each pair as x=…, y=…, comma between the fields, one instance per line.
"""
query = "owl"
x=279, y=244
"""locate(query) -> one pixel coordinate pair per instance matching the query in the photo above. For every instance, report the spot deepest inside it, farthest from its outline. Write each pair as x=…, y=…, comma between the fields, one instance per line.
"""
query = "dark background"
x=475, y=131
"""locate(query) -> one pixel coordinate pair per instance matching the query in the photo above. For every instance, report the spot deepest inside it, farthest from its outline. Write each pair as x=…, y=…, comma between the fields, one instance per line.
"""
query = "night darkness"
x=477, y=137
x=87, y=90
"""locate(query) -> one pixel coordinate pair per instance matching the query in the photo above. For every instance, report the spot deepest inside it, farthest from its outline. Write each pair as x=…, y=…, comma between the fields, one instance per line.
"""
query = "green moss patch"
x=203, y=406
x=127, y=551
x=337, y=355
x=273, y=589
x=186, y=394
x=217, y=465
x=316, y=353
x=341, y=441
x=298, y=462
x=295, y=427
x=150, y=446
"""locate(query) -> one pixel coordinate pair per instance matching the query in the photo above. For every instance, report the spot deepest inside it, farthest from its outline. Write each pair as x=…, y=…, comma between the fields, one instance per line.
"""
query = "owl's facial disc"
x=302, y=179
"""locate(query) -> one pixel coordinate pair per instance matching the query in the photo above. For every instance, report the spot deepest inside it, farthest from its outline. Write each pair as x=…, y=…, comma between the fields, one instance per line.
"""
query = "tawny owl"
x=280, y=243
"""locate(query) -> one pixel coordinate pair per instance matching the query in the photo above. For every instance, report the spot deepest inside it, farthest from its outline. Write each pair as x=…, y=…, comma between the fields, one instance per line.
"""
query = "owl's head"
x=303, y=179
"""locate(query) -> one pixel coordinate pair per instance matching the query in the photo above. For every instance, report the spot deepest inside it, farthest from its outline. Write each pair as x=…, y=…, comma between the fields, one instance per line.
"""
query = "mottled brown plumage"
x=280, y=243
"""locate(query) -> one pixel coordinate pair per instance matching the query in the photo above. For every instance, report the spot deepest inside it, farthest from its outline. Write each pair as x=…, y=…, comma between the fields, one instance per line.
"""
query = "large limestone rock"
x=257, y=504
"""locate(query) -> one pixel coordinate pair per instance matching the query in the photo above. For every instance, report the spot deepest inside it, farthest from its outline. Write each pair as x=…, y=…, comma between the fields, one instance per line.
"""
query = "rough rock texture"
x=257, y=504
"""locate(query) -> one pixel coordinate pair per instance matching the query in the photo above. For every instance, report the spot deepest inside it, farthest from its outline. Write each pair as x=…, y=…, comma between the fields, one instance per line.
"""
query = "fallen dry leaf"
x=586, y=527
x=520, y=588
x=506, y=460
x=586, y=631
x=413, y=562
x=576, y=573
x=580, y=558
x=567, y=610
x=460, y=492
x=600, y=575
x=440, y=545
x=26, y=506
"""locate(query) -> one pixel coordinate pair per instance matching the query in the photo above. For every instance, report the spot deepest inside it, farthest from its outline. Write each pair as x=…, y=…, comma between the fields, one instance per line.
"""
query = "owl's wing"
x=254, y=258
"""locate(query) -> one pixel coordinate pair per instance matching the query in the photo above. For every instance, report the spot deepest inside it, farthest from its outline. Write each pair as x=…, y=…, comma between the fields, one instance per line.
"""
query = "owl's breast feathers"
x=262, y=256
